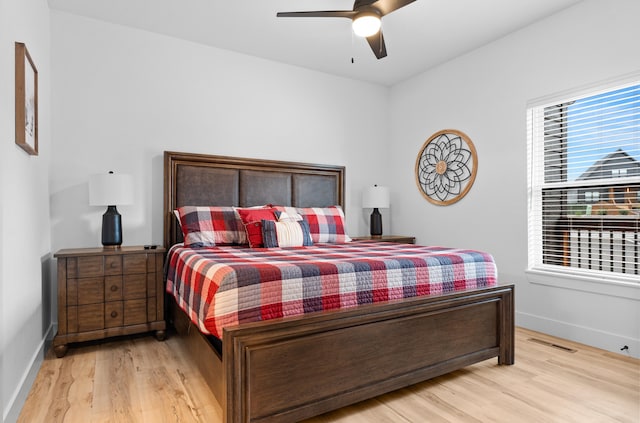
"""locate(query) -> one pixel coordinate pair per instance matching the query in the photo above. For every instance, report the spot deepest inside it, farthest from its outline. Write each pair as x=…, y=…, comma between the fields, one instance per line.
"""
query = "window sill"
x=624, y=287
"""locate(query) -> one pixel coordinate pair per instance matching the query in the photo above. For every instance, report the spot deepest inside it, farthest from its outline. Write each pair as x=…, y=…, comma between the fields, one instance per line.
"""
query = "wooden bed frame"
x=290, y=369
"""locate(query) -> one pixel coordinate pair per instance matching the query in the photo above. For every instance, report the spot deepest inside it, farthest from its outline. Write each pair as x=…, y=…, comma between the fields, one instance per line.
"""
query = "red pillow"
x=252, y=220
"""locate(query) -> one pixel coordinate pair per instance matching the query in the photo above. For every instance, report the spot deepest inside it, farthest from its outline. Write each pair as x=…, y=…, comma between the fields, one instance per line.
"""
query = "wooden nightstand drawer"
x=90, y=317
x=113, y=314
x=113, y=288
x=155, y=262
x=108, y=292
x=135, y=312
x=85, y=291
x=135, y=263
x=135, y=286
x=152, y=312
x=113, y=265
x=85, y=267
x=151, y=285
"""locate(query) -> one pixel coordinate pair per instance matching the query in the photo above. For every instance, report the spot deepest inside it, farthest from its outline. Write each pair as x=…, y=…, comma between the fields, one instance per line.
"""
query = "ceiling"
x=419, y=36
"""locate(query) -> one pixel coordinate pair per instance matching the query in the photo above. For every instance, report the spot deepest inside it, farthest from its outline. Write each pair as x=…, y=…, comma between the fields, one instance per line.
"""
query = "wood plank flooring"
x=139, y=379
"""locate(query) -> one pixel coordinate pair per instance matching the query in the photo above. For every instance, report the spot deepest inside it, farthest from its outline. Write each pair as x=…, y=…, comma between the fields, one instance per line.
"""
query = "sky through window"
x=600, y=125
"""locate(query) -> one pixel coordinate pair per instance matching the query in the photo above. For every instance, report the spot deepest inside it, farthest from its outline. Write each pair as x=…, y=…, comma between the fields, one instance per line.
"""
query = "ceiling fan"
x=366, y=16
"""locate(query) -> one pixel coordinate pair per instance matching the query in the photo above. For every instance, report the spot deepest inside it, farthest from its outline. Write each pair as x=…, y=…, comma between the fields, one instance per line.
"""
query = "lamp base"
x=111, y=228
x=375, y=223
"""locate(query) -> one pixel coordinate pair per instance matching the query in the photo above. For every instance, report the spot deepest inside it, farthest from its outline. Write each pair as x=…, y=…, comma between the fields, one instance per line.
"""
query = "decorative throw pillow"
x=286, y=232
x=209, y=226
x=326, y=224
x=252, y=219
x=291, y=216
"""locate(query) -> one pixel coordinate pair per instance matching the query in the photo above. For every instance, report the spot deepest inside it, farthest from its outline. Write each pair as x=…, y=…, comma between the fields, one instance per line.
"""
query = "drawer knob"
x=114, y=288
x=114, y=314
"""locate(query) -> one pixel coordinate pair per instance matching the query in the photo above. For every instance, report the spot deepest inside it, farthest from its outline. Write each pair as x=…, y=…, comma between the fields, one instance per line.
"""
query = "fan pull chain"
x=352, y=61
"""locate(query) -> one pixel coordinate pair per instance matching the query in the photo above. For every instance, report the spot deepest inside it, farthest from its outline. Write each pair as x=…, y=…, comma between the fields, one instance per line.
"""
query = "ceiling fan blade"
x=388, y=6
x=360, y=3
x=376, y=41
x=320, y=14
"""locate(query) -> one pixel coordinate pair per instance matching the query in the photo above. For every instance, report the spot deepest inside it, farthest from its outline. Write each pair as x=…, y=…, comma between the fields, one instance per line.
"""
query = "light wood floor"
x=142, y=380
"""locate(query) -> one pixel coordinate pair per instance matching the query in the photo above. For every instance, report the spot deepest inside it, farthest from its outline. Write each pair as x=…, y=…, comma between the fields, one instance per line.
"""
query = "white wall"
x=484, y=94
x=25, y=290
x=123, y=96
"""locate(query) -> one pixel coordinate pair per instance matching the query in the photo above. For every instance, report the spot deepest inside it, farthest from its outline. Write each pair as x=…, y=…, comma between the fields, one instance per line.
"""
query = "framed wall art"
x=26, y=101
x=446, y=167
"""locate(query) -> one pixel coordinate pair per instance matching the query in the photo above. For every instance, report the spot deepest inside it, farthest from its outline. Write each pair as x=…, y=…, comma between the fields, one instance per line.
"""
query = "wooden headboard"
x=206, y=180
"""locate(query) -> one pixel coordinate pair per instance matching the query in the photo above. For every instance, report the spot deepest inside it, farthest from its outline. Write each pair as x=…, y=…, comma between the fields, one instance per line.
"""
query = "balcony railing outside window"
x=584, y=182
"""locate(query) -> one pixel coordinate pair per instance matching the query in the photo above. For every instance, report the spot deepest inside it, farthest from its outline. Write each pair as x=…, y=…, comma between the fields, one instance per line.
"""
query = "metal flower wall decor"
x=446, y=167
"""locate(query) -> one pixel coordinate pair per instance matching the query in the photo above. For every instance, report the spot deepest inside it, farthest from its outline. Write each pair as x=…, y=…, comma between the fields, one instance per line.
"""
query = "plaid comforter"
x=224, y=286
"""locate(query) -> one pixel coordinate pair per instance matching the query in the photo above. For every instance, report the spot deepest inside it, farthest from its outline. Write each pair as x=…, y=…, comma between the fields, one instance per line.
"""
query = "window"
x=618, y=173
x=584, y=184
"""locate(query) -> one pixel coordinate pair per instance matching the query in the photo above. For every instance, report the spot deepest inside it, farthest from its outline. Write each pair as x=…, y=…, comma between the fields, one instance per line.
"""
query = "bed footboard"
x=292, y=369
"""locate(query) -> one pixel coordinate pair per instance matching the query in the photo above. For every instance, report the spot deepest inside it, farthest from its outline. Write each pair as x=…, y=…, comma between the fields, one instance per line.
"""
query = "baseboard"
x=584, y=335
x=19, y=396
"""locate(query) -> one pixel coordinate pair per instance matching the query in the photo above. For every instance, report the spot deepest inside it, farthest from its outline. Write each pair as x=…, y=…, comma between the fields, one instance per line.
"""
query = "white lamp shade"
x=366, y=24
x=110, y=189
x=375, y=197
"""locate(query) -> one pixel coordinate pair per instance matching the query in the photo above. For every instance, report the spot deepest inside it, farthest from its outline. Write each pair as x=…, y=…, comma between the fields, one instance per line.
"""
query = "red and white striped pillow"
x=286, y=232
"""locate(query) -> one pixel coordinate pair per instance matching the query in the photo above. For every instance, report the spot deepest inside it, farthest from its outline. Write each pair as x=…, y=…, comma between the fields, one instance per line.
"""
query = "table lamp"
x=109, y=190
x=376, y=197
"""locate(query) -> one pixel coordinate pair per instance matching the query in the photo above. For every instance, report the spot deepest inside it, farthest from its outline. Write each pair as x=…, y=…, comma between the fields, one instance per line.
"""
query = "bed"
x=295, y=367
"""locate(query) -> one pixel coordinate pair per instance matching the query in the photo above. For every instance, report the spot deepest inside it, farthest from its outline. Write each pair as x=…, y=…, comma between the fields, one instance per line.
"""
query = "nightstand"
x=104, y=292
x=386, y=238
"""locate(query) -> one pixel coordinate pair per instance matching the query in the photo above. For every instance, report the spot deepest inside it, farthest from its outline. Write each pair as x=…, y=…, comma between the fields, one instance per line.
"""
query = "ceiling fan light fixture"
x=365, y=19
x=366, y=24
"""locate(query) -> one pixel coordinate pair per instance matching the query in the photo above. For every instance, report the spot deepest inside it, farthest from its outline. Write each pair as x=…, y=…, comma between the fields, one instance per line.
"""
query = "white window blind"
x=584, y=183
